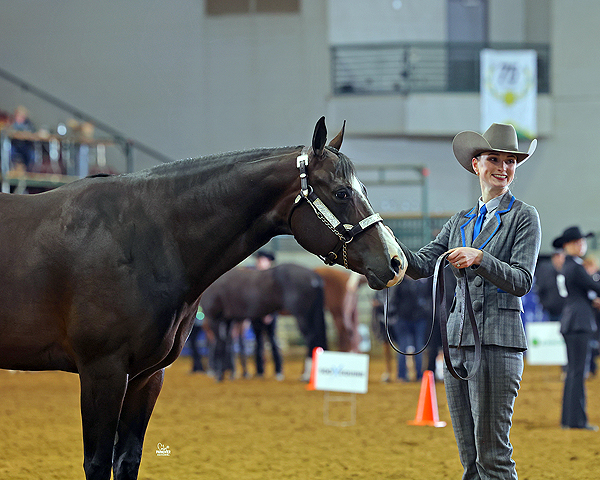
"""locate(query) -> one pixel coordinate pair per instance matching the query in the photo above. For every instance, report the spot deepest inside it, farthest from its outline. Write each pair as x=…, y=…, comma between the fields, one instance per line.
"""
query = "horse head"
x=333, y=218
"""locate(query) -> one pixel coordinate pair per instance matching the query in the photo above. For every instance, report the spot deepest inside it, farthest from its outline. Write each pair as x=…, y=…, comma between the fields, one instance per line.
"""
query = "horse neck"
x=222, y=212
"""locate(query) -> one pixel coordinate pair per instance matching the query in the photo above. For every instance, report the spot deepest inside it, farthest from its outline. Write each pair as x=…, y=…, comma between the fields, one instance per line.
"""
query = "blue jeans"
x=410, y=332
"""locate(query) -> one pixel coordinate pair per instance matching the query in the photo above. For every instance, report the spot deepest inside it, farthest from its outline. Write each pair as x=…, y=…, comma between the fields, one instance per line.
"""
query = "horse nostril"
x=396, y=265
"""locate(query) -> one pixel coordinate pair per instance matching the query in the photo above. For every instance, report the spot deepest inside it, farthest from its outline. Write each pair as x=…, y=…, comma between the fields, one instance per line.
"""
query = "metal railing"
x=128, y=145
x=428, y=67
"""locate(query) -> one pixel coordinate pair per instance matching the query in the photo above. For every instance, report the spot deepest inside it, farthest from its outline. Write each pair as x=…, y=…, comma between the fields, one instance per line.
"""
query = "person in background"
x=412, y=302
x=22, y=151
x=577, y=324
x=549, y=285
x=495, y=244
x=590, y=263
x=266, y=326
x=193, y=342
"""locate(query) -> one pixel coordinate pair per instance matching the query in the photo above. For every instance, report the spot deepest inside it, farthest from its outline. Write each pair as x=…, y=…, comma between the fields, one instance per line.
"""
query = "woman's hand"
x=463, y=257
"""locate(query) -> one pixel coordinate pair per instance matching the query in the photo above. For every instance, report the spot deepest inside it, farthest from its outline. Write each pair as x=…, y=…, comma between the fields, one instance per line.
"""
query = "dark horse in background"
x=102, y=277
x=248, y=293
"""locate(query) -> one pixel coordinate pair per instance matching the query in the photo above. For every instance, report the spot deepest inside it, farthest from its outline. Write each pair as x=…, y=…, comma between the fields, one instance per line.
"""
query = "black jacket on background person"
x=577, y=324
x=547, y=289
x=578, y=314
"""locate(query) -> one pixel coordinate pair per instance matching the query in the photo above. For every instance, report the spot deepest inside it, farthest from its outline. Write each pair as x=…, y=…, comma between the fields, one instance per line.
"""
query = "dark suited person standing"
x=577, y=325
x=549, y=285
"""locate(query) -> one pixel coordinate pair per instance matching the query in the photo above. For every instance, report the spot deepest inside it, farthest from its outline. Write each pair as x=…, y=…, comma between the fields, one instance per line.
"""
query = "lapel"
x=490, y=228
x=466, y=229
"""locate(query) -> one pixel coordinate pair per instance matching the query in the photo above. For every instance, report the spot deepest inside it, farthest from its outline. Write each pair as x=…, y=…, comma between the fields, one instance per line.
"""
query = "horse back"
x=241, y=293
x=299, y=285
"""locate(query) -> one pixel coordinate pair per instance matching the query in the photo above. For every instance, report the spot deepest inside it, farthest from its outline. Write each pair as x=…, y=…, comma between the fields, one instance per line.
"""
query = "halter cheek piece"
x=344, y=232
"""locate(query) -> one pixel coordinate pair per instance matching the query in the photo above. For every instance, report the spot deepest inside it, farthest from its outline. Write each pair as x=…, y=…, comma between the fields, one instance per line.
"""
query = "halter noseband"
x=344, y=232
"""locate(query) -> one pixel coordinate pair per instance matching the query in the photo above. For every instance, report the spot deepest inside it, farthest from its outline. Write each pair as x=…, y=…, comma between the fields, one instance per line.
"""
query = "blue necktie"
x=479, y=221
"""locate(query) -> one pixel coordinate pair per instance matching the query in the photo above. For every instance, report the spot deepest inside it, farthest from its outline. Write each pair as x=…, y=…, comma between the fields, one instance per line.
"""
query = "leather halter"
x=344, y=232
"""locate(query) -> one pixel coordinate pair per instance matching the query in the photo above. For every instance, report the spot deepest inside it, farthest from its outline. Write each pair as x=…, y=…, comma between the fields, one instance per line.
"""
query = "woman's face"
x=496, y=170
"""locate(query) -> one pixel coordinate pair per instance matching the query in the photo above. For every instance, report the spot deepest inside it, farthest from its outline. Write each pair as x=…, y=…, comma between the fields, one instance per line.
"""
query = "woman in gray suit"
x=496, y=244
x=577, y=324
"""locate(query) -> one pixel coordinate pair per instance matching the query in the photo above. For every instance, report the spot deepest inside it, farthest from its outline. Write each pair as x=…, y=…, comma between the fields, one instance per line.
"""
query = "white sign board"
x=545, y=344
x=509, y=89
x=341, y=372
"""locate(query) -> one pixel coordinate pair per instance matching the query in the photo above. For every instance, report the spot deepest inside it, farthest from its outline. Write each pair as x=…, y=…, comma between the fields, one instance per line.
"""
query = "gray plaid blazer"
x=510, y=243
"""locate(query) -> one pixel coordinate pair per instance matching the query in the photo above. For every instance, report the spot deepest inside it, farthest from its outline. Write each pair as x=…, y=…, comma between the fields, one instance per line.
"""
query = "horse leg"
x=195, y=349
x=259, y=346
x=230, y=351
x=355, y=336
x=343, y=333
x=220, y=351
x=103, y=385
x=242, y=350
x=316, y=321
x=138, y=404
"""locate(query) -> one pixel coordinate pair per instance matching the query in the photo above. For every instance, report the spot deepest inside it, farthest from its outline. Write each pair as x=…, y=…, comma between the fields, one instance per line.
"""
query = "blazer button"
x=478, y=281
x=477, y=305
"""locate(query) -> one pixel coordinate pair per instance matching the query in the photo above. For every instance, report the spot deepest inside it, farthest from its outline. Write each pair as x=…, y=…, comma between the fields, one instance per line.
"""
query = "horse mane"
x=219, y=161
x=180, y=174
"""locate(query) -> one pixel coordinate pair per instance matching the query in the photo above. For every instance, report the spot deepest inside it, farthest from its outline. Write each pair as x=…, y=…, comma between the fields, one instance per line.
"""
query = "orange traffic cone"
x=313, y=368
x=427, y=410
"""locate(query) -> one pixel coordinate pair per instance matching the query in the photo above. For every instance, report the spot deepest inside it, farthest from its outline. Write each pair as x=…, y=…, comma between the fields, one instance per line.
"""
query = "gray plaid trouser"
x=481, y=410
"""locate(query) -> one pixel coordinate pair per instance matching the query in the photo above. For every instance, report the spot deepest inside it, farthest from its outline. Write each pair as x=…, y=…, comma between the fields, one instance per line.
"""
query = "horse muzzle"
x=399, y=265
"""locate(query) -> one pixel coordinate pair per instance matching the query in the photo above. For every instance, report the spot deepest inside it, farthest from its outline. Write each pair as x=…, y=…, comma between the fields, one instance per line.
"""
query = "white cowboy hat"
x=500, y=137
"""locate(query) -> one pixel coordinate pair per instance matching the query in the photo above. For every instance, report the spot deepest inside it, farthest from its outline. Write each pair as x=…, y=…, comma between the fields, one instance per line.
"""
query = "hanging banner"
x=509, y=89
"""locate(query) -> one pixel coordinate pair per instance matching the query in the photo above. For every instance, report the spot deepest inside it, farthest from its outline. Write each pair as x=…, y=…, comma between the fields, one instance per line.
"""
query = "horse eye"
x=342, y=194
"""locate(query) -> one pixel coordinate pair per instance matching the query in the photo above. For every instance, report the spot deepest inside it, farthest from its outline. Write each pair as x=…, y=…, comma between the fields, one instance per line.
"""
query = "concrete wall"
x=167, y=75
x=564, y=184
x=189, y=85
x=380, y=21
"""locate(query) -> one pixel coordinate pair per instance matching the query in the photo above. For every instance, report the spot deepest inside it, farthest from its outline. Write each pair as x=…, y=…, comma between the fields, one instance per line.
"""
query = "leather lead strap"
x=439, y=305
x=387, y=328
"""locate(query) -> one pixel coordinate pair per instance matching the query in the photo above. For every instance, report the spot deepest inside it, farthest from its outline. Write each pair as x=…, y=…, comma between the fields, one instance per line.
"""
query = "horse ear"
x=339, y=138
x=319, y=137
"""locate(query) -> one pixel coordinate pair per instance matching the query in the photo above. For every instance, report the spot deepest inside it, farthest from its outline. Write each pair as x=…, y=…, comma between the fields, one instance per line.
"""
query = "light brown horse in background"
x=341, y=298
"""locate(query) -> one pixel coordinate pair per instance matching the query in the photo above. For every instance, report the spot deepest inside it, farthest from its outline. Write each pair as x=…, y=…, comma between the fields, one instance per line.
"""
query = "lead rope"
x=440, y=298
x=387, y=328
x=440, y=301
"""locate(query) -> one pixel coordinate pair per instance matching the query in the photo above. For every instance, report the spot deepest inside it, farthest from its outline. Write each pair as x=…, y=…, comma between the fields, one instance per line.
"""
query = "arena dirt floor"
x=265, y=429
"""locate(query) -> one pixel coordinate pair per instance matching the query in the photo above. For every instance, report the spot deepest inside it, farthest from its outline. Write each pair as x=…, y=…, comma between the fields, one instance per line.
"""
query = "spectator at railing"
x=22, y=151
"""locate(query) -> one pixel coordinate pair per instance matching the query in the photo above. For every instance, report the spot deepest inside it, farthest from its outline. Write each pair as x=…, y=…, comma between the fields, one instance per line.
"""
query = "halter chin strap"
x=344, y=232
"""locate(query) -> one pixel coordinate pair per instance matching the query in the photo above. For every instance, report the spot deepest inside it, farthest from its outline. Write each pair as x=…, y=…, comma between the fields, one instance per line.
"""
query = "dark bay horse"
x=249, y=293
x=103, y=276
